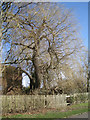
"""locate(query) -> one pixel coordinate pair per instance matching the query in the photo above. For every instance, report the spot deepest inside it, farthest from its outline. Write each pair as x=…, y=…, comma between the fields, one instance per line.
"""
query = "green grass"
x=83, y=107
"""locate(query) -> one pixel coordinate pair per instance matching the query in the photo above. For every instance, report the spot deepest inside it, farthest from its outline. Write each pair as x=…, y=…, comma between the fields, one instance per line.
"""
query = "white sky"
x=25, y=80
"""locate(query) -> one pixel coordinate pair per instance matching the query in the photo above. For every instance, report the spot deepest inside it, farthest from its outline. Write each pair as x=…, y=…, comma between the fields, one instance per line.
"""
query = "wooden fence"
x=24, y=103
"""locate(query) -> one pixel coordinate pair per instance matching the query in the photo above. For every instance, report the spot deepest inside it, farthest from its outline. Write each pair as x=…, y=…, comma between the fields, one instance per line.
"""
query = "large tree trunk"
x=37, y=71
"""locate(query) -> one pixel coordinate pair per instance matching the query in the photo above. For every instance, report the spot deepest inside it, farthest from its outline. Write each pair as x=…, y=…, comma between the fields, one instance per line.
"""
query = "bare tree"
x=41, y=38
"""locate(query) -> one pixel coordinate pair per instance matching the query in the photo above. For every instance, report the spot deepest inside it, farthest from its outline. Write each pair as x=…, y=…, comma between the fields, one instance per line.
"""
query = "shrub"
x=70, y=99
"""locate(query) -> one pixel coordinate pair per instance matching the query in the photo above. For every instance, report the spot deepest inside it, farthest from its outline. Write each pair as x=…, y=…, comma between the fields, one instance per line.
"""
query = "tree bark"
x=37, y=71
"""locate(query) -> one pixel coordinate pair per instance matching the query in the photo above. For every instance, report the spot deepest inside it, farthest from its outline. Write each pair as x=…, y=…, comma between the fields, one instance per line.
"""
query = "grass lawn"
x=70, y=110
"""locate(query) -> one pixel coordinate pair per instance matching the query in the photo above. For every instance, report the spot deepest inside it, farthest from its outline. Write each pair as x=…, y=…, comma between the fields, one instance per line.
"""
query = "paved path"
x=83, y=115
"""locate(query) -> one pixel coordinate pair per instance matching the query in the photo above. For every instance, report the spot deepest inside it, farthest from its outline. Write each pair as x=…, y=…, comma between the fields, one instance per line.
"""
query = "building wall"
x=12, y=80
x=0, y=80
x=0, y=85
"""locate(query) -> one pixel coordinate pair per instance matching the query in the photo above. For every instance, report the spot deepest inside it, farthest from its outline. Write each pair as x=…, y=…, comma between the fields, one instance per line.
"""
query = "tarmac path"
x=83, y=115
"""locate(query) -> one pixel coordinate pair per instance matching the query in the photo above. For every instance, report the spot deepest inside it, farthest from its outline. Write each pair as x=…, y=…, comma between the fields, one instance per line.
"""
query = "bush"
x=26, y=90
x=83, y=97
x=70, y=99
x=80, y=98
